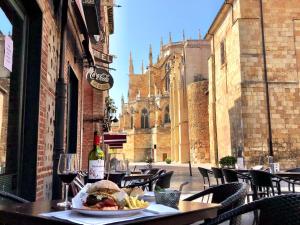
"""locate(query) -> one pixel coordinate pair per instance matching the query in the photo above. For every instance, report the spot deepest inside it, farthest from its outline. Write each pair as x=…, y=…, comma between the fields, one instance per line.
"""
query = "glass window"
x=144, y=119
x=131, y=118
x=167, y=115
x=12, y=45
x=223, y=52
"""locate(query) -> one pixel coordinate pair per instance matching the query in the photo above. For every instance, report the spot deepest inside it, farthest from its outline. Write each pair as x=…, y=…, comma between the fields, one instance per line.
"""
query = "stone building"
x=45, y=105
x=156, y=116
x=254, y=81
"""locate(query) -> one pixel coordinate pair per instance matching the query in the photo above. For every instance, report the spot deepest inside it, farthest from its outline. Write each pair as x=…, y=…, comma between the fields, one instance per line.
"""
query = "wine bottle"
x=96, y=160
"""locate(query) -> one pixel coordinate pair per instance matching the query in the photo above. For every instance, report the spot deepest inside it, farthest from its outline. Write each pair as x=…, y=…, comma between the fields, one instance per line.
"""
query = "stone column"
x=198, y=122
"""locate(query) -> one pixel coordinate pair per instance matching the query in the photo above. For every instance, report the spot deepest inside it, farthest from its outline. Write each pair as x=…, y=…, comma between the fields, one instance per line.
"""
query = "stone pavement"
x=182, y=174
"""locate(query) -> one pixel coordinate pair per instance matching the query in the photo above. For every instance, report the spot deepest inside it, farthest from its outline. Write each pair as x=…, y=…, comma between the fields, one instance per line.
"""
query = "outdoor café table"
x=290, y=175
x=29, y=214
x=133, y=177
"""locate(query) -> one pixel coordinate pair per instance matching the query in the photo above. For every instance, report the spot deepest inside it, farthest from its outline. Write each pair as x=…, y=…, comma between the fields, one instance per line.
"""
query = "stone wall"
x=240, y=89
x=161, y=138
x=197, y=95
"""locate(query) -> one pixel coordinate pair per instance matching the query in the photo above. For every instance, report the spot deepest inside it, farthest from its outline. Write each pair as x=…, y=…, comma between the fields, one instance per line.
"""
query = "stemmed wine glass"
x=67, y=170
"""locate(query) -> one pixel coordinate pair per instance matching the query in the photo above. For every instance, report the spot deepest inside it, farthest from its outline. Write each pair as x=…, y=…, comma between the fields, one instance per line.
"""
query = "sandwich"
x=105, y=195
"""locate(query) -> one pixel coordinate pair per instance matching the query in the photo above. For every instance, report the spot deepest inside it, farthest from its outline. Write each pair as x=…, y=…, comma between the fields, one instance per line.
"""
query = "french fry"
x=128, y=202
x=135, y=203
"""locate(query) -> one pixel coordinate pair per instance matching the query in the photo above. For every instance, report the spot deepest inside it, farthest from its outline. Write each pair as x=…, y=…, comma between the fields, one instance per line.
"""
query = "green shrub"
x=168, y=161
x=228, y=161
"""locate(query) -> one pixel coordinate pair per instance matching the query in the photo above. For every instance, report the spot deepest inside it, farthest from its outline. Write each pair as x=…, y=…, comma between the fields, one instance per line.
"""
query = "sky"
x=5, y=25
x=139, y=23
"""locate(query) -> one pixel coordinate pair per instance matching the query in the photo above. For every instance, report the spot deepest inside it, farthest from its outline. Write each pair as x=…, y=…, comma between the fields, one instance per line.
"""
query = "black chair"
x=278, y=210
x=205, y=175
x=9, y=197
x=234, y=176
x=152, y=171
x=148, y=184
x=218, y=174
x=116, y=178
x=297, y=169
x=229, y=195
x=164, y=180
x=266, y=183
x=161, y=171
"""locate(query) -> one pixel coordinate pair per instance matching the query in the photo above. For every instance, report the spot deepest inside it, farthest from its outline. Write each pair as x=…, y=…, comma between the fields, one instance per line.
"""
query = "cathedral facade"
x=156, y=115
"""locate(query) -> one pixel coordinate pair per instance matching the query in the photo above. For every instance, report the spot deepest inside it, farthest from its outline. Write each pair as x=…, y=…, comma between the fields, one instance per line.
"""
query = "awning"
x=92, y=9
x=114, y=138
x=80, y=18
x=115, y=146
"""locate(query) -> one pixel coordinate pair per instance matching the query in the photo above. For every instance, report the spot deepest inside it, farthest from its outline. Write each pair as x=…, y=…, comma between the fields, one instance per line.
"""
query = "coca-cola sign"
x=99, y=79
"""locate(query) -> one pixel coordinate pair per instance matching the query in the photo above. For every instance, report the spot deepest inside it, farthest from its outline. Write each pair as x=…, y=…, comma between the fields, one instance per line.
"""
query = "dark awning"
x=80, y=18
x=114, y=138
x=115, y=146
x=92, y=9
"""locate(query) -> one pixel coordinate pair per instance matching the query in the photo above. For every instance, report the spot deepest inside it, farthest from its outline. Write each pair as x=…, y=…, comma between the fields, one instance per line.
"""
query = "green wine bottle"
x=96, y=160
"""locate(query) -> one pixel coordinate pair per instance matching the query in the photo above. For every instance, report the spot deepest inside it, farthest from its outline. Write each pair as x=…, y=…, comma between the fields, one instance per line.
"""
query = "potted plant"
x=168, y=161
x=228, y=162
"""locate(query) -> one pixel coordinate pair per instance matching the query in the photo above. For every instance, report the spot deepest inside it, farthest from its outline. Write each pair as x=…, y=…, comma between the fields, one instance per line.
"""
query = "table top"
x=28, y=213
x=279, y=173
x=288, y=174
x=137, y=177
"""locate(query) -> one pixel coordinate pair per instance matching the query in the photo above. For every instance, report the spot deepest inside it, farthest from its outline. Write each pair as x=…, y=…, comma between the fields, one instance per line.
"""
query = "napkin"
x=152, y=210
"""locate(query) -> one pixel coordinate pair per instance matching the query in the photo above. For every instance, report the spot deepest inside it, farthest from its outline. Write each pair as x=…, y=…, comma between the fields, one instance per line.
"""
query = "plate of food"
x=105, y=198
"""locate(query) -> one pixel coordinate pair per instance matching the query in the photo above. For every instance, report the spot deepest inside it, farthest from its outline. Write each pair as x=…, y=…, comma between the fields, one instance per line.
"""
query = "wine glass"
x=67, y=170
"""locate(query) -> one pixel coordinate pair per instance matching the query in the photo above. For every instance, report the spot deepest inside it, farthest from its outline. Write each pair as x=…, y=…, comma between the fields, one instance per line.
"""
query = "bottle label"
x=96, y=169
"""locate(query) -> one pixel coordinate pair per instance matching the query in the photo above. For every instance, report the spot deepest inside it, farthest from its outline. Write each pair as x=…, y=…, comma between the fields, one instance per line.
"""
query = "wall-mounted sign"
x=8, y=53
x=106, y=58
x=99, y=79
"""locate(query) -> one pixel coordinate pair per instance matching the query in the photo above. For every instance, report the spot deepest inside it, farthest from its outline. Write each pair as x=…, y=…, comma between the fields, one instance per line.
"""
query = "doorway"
x=72, y=112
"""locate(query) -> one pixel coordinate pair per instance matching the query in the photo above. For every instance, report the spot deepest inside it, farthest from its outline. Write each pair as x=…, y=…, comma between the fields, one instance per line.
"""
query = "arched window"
x=167, y=115
x=131, y=118
x=167, y=83
x=145, y=119
x=167, y=78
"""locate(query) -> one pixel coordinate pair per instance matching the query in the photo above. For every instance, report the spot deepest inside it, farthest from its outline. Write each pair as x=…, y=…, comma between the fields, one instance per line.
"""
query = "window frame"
x=223, y=59
x=145, y=119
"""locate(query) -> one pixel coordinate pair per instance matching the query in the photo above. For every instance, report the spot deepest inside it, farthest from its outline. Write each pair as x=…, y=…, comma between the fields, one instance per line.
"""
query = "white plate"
x=95, y=212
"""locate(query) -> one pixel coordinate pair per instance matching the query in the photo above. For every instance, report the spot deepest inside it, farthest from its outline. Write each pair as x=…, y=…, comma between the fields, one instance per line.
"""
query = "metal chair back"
x=230, y=175
x=205, y=175
x=164, y=180
x=278, y=210
x=218, y=174
x=262, y=181
x=11, y=197
x=116, y=178
x=229, y=195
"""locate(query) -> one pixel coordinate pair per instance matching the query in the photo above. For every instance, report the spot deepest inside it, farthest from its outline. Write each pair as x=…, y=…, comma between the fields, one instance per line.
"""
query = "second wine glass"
x=67, y=170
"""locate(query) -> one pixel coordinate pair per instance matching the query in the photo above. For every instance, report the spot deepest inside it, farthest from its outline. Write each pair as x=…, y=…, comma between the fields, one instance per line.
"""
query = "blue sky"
x=139, y=23
x=5, y=25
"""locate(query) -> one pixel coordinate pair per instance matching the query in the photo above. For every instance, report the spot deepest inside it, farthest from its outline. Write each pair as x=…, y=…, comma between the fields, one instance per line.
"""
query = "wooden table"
x=28, y=213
